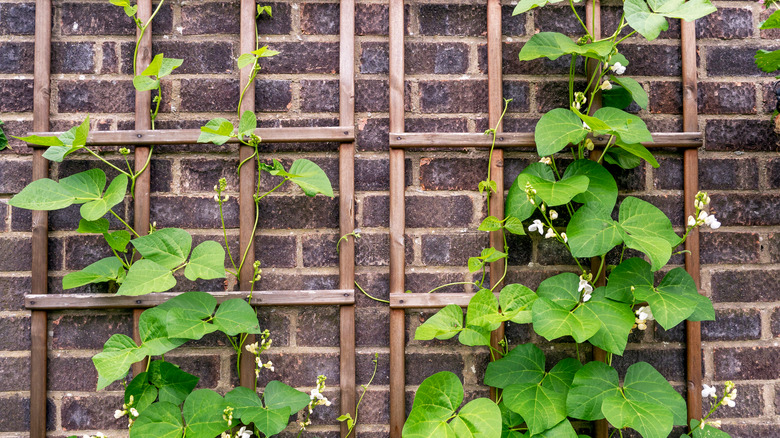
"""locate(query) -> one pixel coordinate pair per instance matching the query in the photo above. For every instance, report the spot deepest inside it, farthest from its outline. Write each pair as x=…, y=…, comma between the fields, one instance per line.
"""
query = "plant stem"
x=365, y=389
x=224, y=233
x=490, y=154
x=257, y=218
x=124, y=223
x=107, y=162
x=372, y=297
x=571, y=3
x=141, y=35
x=452, y=284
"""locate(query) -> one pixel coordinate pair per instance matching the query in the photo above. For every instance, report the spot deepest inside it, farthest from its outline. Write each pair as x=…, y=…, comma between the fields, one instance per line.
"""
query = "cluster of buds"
x=241, y=433
x=585, y=287
x=702, y=217
x=546, y=160
x=220, y=189
x=258, y=273
x=618, y=68
x=579, y=100
x=589, y=144
x=124, y=151
x=227, y=415
x=730, y=395
x=129, y=410
x=257, y=348
x=643, y=314
x=530, y=193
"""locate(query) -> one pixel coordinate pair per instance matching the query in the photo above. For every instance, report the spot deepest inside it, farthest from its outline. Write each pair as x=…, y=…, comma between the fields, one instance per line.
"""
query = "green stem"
x=609, y=143
x=452, y=284
x=506, y=261
x=124, y=263
x=107, y=162
x=257, y=218
x=224, y=233
x=368, y=295
x=625, y=37
x=141, y=35
x=365, y=389
x=490, y=154
x=571, y=3
x=124, y=223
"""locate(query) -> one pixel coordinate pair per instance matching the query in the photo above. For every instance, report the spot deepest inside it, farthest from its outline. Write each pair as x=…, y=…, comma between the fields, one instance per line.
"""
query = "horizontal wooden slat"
x=340, y=134
x=334, y=297
x=524, y=140
x=428, y=301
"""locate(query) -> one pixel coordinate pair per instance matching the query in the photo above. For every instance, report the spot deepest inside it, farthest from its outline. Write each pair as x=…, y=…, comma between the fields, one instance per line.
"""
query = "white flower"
x=243, y=433
x=119, y=414
x=545, y=160
x=577, y=106
x=565, y=239
x=691, y=221
x=644, y=313
x=703, y=216
x=709, y=391
x=728, y=401
x=550, y=233
x=585, y=125
x=618, y=68
x=586, y=297
x=712, y=222
x=134, y=412
x=584, y=285
x=606, y=85
x=715, y=423
x=553, y=215
x=536, y=226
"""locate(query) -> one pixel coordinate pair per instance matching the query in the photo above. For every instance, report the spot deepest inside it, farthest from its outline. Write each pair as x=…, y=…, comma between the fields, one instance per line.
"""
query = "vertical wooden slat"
x=397, y=220
x=40, y=221
x=495, y=107
x=247, y=185
x=143, y=120
x=347, y=207
x=691, y=186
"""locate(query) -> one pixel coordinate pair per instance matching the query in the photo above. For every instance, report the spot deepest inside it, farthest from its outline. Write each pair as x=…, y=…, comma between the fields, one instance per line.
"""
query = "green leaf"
x=592, y=383
x=561, y=375
x=553, y=45
x=515, y=301
x=39, y=140
x=264, y=10
x=160, y=420
x=634, y=88
x=552, y=321
x=168, y=247
x=113, y=363
x=622, y=158
x=559, y=192
x=707, y=431
x=85, y=186
x=445, y=324
x=540, y=406
x=279, y=395
x=203, y=412
x=561, y=290
x=645, y=228
x=173, y=384
x=264, y=52
x=217, y=131
x=142, y=392
x=3, y=138
x=616, y=97
x=591, y=232
x=527, y=5
x=145, y=83
x=628, y=127
x=482, y=310
x=246, y=59
x=478, y=418
x=673, y=300
x=58, y=153
x=517, y=205
x=310, y=178
x=269, y=421
x=185, y=325
x=773, y=22
x=115, y=193
x=248, y=123
x=475, y=264
x=473, y=336
x=616, y=320
x=207, y=262
x=637, y=150
x=643, y=383
x=42, y=194
x=168, y=66
x=199, y=304
x=490, y=223
x=236, y=316
x=153, y=329
x=523, y=364
x=651, y=421
x=514, y=226
x=99, y=226
x=703, y=310
x=244, y=401
x=557, y=129
x=154, y=67
x=602, y=189
x=768, y=61
x=632, y=274
x=639, y=17
x=118, y=240
x=80, y=133
x=146, y=276
x=107, y=269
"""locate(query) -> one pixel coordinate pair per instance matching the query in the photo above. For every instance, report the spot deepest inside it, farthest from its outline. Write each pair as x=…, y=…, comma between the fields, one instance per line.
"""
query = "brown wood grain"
x=524, y=140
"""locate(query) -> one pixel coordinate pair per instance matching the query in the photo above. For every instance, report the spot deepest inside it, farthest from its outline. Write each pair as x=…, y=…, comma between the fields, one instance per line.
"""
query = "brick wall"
x=446, y=91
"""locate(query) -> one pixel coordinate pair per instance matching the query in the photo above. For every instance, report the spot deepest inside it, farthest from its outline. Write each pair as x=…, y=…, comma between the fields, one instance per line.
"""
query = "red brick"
x=96, y=96
x=91, y=412
x=749, y=209
x=559, y=19
x=438, y=212
x=452, y=250
x=727, y=98
x=318, y=327
x=67, y=330
x=308, y=58
x=16, y=95
x=736, y=248
x=467, y=20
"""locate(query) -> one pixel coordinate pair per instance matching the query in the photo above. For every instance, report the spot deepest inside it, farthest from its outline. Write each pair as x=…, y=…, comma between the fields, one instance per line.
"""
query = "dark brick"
x=16, y=175
x=320, y=18
x=374, y=326
x=519, y=92
x=298, y=282
x=774, y=247
x=374, y=410
x=662, y=60
x=726, y=24
x=17, y=19
x=436, y=125
x=192, y=212
x=83, y=250
x=512, y=25
x=773, y=173
x=318, y=212
x=308, y=58
x=372, y=134
x=733, y=61
x=511, y=64
x=374, y=250
x=200, y=174
x=747, y=209
x=745, y=286
x=272, y=95
x=739, y=430
x=94, y=412
x=729, y=325
x=374, y=58
x=436, y=58
x=467, y=20
x=68, y=330
x=320, y=250
x=520, y=249
x=372, y=19
x=420, y=366
x=452, y=250
x=107, y=19
x=20, y=248
x=550, y=95
x=670, y=363
x=371, y=95
x=365, y=368
x=437, y=212
x=210, y=18
x=15, y=288
x=727, y=174
x=559, y=19
x=736, y=248
x=735, y=135
x=552, y=252
x=73, y=57
x=20, y=421
x=16, y=95
x=318, y=327
x=14, y=374
x=16, y=57
x=377, y=285
x=205, y=367
x=61, y=375
x=461, y=96
x=610, y=18
x=372, y=175
x=199, y=57
x=518, y=333
x=451, y=173
x=279, y=24
x=319, y=96
x=274, y=251
x=665, y=97
x=423, y=282
x=747, y=363
x=202, y=95
x=301, y=369
x=727, y=98
x=96, y=96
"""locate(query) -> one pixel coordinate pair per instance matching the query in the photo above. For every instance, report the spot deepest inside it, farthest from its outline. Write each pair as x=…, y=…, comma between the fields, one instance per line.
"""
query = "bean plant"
x=162, y=400
x=570, y=197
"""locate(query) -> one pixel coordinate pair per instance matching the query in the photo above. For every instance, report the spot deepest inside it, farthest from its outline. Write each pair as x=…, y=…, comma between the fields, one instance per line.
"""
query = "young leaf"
x=591, y=232
x=115, y=193
x=160, y=420
x=621, y=158
x=628, y=127
x=517, y=205
x=80, y=133
x=248, y=123
x=185, y=325
x=145, y=83
x=561, y=290
x=42, y=194
x=207, y=262
x=540, y=406
x=107, y=269
x=514, y=226
x=118, y=240
x=673, y=300
x=628, y=277
x=199, y=304
x=646, y=228
x=168, y=65
x=634, y=88
x=523, y=364
x=615, y=318
x=707, y=431
x=99, y=226
x=236, y=316
x=203, y=412
x=773, y=22
x=445, y=324
x=553, y=45
x=173, y=384
x=264, y=10
x=490, y=223
x=559, y=192
x=246, y=59
x=637, y=150
x=58, y=153
x=217, y=131
x=146, y=276
x=85, y=186
x=552, y=321
x=557, y=129
x=39, y=140
x=527, y=5
x=516, y=301
x=142, y=392
x=591, y=385
x=310, y=178
x=602, y=189
x=475, y=264
x=264, y=52
x=168, y=247
x=153, y=69
x=279, y=395
x=482, y=311
x=113, y=363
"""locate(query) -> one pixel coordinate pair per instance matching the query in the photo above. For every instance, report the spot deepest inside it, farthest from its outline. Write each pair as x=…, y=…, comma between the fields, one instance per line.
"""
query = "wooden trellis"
x=689, y=141
x=143, y=137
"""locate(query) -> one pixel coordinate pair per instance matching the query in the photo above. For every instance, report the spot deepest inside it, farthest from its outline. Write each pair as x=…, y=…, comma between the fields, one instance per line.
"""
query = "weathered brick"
x=274, y=251
x=279, y=24
x=745, y=286
x=773, y=245
x=748, y=209
x=735, y=135
x=298, y=282
x=20, y=421
x=272, y=95
x=670, y=363
x=420, y=366
x=559, y=19
x=747, y=363
x=436, y=125
x=727, y=98
x=210, y=18
x=726, y=24
x=320, y=18
x=519, y=92
x=512, y=25
x=301, y=369
x=68, y=330
x=14, y=373
x=320, y=250
x=16, y=57
x=518, y=333
x=17, y=18
x=201, y=95
x=461, y=96
x=16, y=95
x=83, y=250
x=16, y=175
x=422, y=282
x=96, y=96
x=91, y=412
x=374, y=58
x=733, y=61
x=70, y=57
x=452, y=250
x=192, y=212
x=610, y=18
x=372, y=95
x=511, y=64
x=14, y=290
x=737, y=248
x=374, y=250
x=729, y=325
x=310, y=122
x=552, y=252
x=199, y=57
x=372, y=19
x=319, y=96
x=20, y=248
x=466, y=20
x=318, y=327
x=520, y=249
x=661, y=60
x=371, y=134
x=551, y=95
x=437, y=212
x=665, y=97
x=374, y=324
x=107, y=19
x=436, y=58
x=61, y=376
x=206, y=367
x=374, y=410
x=309, y=58
x=739, y=430
x=318, y=212
x=451, y=173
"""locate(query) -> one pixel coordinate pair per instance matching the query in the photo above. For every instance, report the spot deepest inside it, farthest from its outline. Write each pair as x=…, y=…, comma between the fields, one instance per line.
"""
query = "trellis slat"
x=524, y=140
